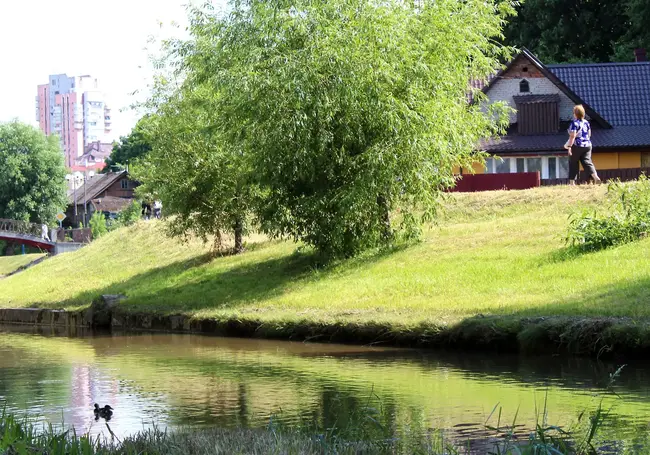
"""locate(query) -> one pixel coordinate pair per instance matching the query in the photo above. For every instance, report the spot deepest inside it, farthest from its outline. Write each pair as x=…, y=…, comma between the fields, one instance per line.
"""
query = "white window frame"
x=544, y=174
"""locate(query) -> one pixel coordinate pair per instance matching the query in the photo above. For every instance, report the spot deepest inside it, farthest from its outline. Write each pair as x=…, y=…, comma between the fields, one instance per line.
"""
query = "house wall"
x=602, y=161
x=116, y=189
x=506, y=88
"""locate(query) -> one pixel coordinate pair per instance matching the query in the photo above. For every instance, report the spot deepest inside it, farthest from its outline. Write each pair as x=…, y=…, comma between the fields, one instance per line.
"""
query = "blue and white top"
x=583, y=128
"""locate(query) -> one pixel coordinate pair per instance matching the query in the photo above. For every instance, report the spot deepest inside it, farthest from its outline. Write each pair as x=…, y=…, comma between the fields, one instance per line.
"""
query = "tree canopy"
x=560, y=31
x=347, y=116
x=137, y=144
x=32, y=174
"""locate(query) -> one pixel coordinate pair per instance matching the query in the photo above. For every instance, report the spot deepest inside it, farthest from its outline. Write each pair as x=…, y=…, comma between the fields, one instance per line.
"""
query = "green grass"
x=9, y=264
x=492, y=254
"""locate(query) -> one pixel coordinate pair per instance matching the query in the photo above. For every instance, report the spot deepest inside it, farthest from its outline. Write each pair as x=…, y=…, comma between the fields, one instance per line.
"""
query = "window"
x=521, y=165
x=502, y=166
x=563, y=167
x=552, y=168
x=489, y=165
x=125, y=184
x=534, y=165
x=524, y=86
x=645, y=159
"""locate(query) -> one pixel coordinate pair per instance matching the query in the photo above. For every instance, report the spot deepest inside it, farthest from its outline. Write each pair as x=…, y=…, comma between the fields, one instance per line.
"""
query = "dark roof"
x=95, y=185
x=533, y=99
x=620, y=92
x=619, y=137
x=593, y=114
x=111, y=204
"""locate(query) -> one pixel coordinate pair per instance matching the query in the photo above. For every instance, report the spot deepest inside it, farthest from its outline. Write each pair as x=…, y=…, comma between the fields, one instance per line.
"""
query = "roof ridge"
x=586, y=65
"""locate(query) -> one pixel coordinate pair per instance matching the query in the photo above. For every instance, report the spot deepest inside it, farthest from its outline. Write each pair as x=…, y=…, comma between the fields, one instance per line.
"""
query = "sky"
x=107, y=39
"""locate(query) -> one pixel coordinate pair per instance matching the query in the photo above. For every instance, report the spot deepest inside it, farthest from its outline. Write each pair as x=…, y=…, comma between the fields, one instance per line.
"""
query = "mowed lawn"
x=9, y=264
x=491, y=253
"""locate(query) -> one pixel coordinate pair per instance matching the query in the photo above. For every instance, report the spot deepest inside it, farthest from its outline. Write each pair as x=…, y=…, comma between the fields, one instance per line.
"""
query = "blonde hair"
x=579, y=112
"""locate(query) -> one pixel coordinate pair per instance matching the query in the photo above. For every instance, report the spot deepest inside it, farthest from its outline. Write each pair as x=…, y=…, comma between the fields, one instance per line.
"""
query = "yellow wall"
x=479, y=168
x=629, y=160
x=605, y=160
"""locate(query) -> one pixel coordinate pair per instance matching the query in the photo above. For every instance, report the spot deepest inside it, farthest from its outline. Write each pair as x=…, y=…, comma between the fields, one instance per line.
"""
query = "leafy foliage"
x=342, y=112
x=626, y=219
x=204, y=183
x=98, y=225
x=136, y=145
x=130, y=215
x=561, y=31
x=32, y=174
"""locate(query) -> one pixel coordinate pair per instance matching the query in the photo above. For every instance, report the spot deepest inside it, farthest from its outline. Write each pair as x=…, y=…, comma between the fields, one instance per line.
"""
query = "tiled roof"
x=617, y=137
x=94, y=186
x=111, y=204
x=619, y=92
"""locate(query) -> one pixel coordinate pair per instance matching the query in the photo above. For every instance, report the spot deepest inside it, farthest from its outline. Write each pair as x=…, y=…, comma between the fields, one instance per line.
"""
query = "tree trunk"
x=387, y=232
x=239, y=234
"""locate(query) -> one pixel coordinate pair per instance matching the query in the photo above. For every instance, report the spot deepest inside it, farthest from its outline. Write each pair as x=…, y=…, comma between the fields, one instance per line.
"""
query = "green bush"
x=98, y=225
x=624, y=219
x=130, y=215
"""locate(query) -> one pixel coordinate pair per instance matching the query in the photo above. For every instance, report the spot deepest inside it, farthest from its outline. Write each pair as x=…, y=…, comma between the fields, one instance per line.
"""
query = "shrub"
x=98, y=225
x=130, y=215
x=625, y=218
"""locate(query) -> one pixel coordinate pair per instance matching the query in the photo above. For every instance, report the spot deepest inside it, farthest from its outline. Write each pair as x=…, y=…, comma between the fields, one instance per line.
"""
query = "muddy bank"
x=596, y=337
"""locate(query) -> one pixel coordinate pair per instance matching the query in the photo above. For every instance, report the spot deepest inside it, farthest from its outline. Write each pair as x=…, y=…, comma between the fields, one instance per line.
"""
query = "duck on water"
x=105, y=413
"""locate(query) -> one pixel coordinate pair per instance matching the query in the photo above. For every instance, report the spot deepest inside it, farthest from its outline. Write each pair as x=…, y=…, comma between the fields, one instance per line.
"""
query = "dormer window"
x=524, y=86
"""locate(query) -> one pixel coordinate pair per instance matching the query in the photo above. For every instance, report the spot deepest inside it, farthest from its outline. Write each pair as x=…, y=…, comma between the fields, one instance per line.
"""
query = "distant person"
x=157, y=209
x=146, y=210
x=579, y=146
x=44, y=234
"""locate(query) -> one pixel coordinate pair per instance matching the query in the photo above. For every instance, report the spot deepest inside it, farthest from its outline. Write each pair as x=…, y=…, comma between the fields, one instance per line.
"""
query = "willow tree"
x=203, y=183
x=352, y=114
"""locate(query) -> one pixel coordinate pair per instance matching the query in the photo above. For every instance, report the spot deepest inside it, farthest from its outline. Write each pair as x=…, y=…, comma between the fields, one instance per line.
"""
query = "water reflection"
x=178, y=380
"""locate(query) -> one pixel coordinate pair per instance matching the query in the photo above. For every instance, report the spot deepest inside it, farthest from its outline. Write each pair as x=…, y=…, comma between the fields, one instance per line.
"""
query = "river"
x=177, y=381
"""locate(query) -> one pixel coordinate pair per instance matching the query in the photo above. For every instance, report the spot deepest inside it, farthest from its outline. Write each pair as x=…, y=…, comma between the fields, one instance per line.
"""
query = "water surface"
x=191, y=380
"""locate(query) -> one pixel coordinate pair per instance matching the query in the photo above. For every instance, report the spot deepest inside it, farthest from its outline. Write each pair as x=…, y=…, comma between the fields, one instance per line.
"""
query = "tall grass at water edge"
x=368, y=437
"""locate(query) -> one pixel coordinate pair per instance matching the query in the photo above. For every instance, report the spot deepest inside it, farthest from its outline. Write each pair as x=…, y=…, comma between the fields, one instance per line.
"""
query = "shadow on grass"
x=207, y=283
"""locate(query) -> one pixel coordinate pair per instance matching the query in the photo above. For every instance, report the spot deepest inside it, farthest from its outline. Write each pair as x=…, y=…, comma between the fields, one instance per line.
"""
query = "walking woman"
x=579, y=146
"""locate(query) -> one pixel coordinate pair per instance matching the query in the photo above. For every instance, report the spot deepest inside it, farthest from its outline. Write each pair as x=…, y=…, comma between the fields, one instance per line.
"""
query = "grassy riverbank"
x=9, y=264
x=493, y=267
x=21, y=437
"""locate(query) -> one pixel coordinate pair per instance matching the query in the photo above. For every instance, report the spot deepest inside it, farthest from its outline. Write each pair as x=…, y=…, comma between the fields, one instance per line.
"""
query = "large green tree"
x=560, y=31
x=204, y=183
x=129, y=148
x=351, y=113
x=32, y=174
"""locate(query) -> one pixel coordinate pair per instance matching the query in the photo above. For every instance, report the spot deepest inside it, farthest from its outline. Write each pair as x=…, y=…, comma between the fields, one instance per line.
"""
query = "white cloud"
x=106, y=39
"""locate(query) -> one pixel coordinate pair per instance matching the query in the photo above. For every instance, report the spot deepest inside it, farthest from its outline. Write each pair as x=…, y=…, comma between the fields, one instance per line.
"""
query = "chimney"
x=640, y=55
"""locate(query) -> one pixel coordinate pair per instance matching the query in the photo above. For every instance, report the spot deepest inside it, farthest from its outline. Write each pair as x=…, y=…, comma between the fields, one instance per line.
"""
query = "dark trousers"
x=582, y=155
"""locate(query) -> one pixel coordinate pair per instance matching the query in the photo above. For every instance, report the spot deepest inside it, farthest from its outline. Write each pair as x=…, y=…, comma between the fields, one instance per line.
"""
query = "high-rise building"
x=75, y=109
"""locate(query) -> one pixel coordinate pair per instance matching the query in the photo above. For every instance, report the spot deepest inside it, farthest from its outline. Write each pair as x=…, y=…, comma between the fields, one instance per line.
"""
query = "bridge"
x=30, y=234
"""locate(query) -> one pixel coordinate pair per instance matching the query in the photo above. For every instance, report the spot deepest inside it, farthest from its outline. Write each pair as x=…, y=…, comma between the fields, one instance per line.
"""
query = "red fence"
x=624, y=175
x=469, y=183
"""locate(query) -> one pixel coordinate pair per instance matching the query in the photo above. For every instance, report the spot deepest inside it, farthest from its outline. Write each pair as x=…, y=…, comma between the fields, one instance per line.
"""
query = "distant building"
x=74, y=108
x=108, y=193
x=93, y=158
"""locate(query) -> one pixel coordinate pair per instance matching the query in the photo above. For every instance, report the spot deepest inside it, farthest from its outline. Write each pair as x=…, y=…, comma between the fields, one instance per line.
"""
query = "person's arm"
x=573, y=132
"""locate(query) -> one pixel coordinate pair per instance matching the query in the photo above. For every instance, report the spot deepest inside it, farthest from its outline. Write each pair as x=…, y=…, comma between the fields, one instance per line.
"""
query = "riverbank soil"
x=494, y=272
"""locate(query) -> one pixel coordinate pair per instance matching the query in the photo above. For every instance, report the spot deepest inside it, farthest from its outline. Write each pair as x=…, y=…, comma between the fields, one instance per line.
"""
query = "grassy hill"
x=492, y=254
x=9, y=264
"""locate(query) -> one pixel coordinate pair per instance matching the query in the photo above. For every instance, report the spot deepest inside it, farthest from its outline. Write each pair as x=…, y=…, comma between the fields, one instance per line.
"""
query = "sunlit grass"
x=9, y=264
x=496, y=253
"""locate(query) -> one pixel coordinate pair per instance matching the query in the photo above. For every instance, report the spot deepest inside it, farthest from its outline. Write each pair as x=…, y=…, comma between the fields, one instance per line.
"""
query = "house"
x=107, y=193
x=93, y=158
x=616, y=97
